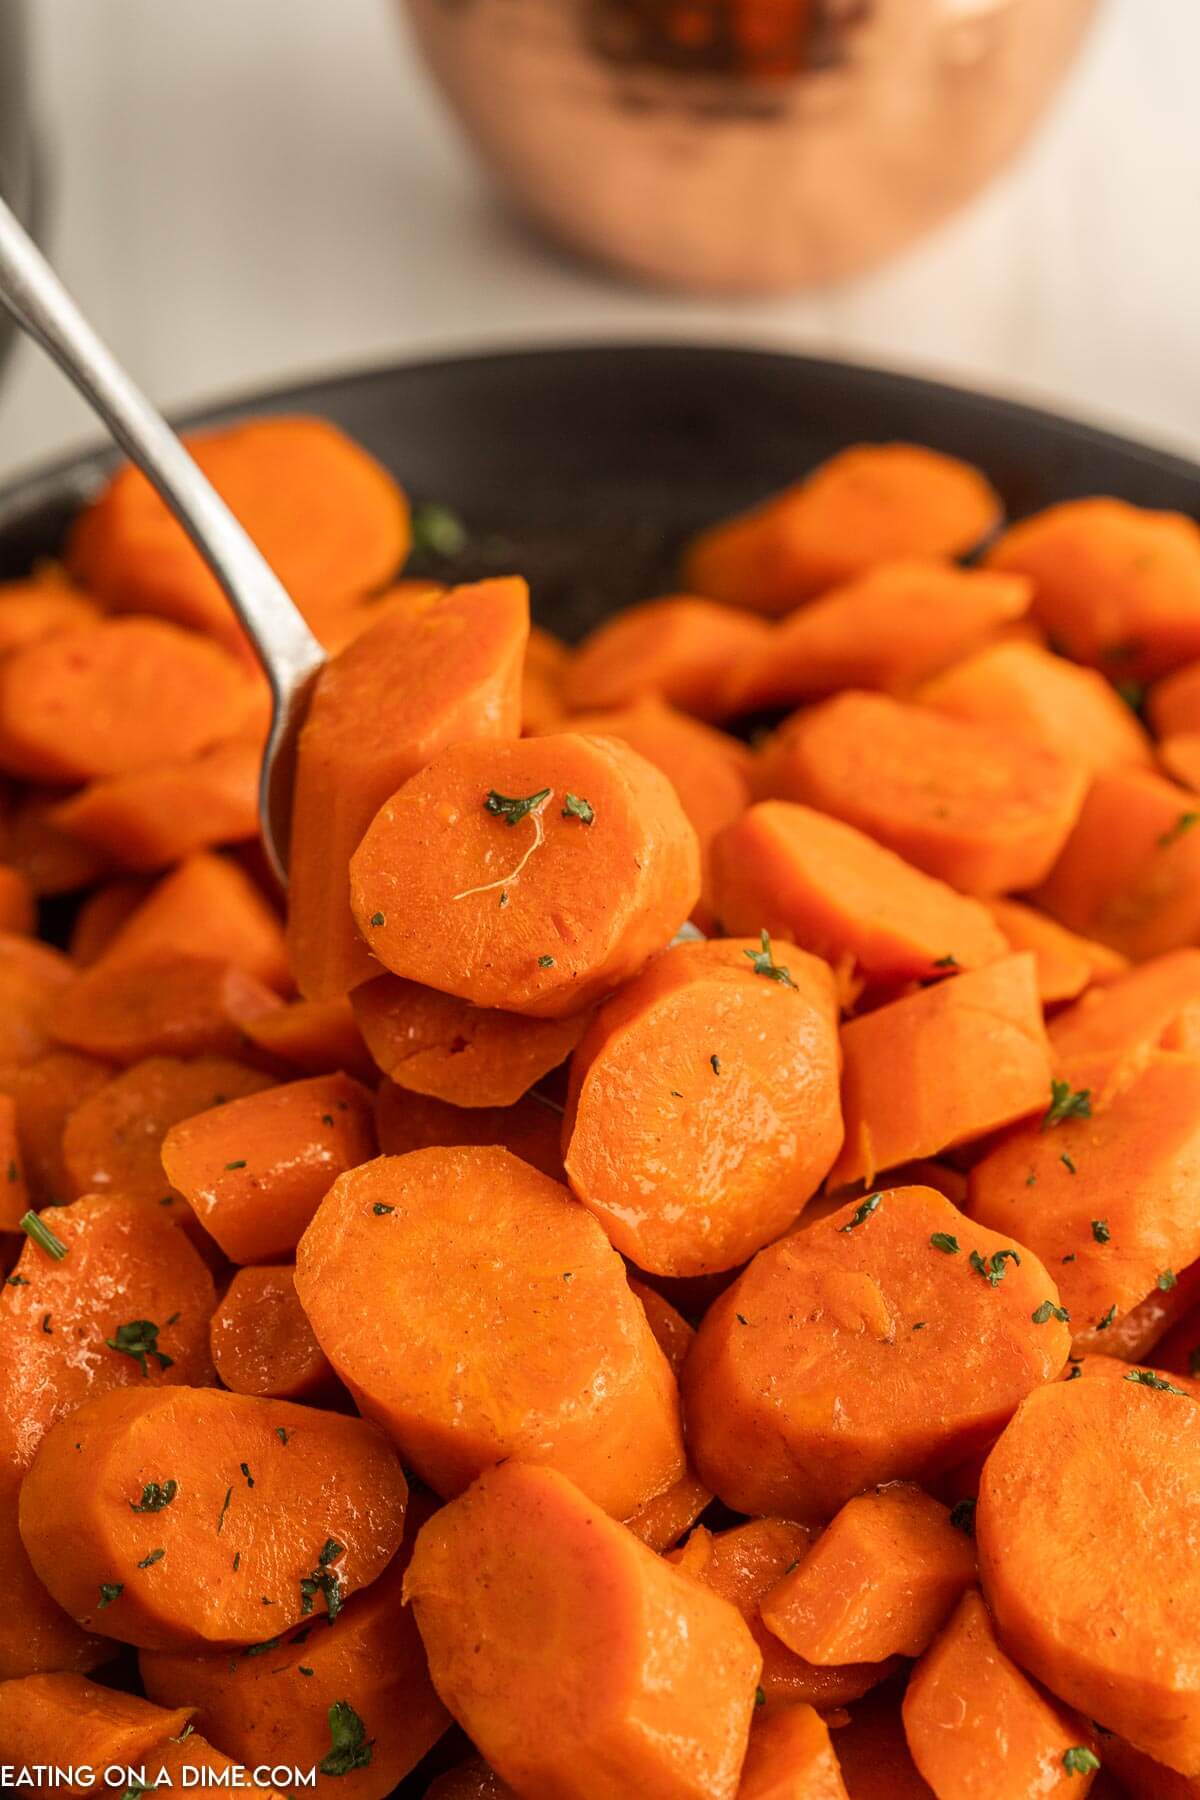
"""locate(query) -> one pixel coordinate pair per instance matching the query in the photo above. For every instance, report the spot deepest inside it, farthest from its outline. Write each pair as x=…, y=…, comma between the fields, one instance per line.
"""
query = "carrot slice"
x=822, y=884
x=314, y=1037
x=64, y=1722
x=1142, y=1778
x=111, y=1140
x=826, y=1388
x=1121, y=1022
x=790, y=1757
x=326, y=516
x=893, y=627
x=721, y=1063
x=662, y=1520
x=101, y=914
x=262, y=1342
x=18, y=902
x=869, y=504
x=873, y=1753
x=1117, y=585
x=105, y=700
x=42, y=605
x=190, y=1761
x=679, y=649
x=546, y=659
x=255, y=1169
x=533, y=876
x=1129, y=873
x=880, y=1581
x=1155, y=1325
x=1066, y=963
x=468, y=1055
x=1023, y=689
x=976, y=1726
x=50, y=860
x=207, y=906
x=159, y=1005
x=977, y=808
x=154, y=816
x=1102, y=1476
x=440, y=669
x=32, y=979
x=459, y=1389
x=45, y=1093
x=313, y=1501
x=645, y=1682
x=337, y=622
x=532, y=1129
x=942, y=1067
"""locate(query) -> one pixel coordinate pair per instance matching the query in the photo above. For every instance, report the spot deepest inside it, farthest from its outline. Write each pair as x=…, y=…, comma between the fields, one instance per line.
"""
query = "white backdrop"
x=242, y=190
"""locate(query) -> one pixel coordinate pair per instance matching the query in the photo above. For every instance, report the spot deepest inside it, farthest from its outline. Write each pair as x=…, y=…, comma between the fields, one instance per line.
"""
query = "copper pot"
x=742, y=146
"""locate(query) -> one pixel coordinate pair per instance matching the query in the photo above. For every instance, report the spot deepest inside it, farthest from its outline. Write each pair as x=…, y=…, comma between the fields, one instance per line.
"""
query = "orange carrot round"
x=42, y=605
x=61, y=1721
x=262, y=1342
x=50, y=859
x=159, y=1004
x=101, y=914
x=33, y=977
x=206, y=906
x=1066, y=963
x=313, y=1037
x=679, y=649
x=154, y=816
x=532, y=1129
x=45, y=1093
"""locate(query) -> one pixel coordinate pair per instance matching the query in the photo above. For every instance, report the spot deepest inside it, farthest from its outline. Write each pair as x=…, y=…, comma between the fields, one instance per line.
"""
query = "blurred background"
x=1004, y=192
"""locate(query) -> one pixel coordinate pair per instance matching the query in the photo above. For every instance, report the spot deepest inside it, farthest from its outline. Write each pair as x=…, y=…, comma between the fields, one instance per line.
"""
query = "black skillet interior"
x=585, y=468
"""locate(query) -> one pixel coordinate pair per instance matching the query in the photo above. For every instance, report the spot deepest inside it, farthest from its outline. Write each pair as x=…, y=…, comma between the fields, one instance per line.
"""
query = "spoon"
x=286, y=648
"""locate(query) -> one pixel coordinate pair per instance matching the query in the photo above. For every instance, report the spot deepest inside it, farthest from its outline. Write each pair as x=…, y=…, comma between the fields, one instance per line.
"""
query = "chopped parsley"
x=301, y=1669
x=12, y=1171
x=511, y=810
x=245, y=1468
x=1067, y=1164
x=224, y=1510
x=1104, y=1323
x=437, y=529
x=1100, y=1231
x=946, y=962
x=1079, y=1760
x=741, y=1318
x=942, y=1240
x=154, y=1556
x=1166, y=1281
x=993, y=1269
x=47, y=1327
x=138, y=1339
x=351, y=1745
x=323, y=1580
x=1183, y=824
x=378, y=919
x=262, y=1649
x=110, y=1591
x=239, y=1164
x=40, y=1233
x=1066, y=1102
x=281, y=1434
x=1147, y=1378
x=764, y=963
x=760, y=1697
x=1047, y=1310
x=155, y=1496
x=715, y=1064
x=962, y=1517
x=862, y=1213
x=577, y=808
x=545, y=962
x=379, y=1208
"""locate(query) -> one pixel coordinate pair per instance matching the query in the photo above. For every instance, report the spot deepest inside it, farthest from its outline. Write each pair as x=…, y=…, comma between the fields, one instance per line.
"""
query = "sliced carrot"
x=534, y=875
x=313, y=1501
x=159, y=1005
x=1155, y=1326
x=65, y=1722
x=41, y=606
x=18, y=902
x=190, y=1761
x=111, y=1140
x=45, y=1093
x=1121, y=1022
x=255, y=1169
x=663, y=1519
x=532, y=1129
x=155, y=816
x=442, y=668
x=1117, y=585
x=101, y=913
x=337, y=622
x=14, y=1189
x=942, y=1068
x=790, y=1757
x=262, y=1342
x=1142, y=1778
x=1030, y=692
x=703, y=1105
x=880, y=1581
x=471, y=1780
x=977, y=1727
x=894, y=626
x=869, y=504
x=458, y=1389
x=1129, y=873
x=678, y=649
x=1102, y=1477
x=314, y=1037
x=468, y=1055
x=822, y=884
x=576, y=1659
x=326, y=516
x=50, y=860
x=207, y=906
x=108, y=699
x=1066, y=963
x=1179, y=757
x=32, y=979
x=873, y=1753
x=546, y=659
x=984, y=811
x=827, y=1388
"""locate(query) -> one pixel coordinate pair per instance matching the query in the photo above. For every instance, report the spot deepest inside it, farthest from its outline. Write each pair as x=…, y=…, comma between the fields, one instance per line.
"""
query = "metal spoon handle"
x=37, y=300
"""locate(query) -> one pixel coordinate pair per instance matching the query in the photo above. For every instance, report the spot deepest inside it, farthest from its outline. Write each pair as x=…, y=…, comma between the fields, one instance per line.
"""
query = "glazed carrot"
x=873, y=1753
x=459, y=1388
x=325, y=515
x=471, y=1780
x=893, y=627
x=65, y=1722
x=833, y=890
x=32, y=978
x=1117, y=585
x=18, y=902
x=942, y=1067
x=314, y=1037
x=546, y=658
x=790, y=1757
x=715, y=1071
x=880, y=1581
x=1158, y=1326
x=678, y=649
x=577, y=1660
x=155, y=816
x=262, y=1343
x=108, y=699
x=124, y=1276
x=14, y=1189
x=1121, y=1022
x=42, y=605
x=662, y=1520
x=1178, y=1348
x=255, y=1169
x=984, y=811
x=443, y=668
x=533, y=875
x=869, y=504
x=977, y=1727
x=312, y=1504
x=1105, y=1195
x=337, y=622
x=1179, y=757
x=274, y=1709
x=185, y=1763
x=1023, y=689
x=1141, y=1777
x=102, y=913
x=207, y=906
x=532, y=1129
x=826, y=1388
x=468, y=1055
x=50, y=861
x=1129, y=873
x=159, y=1005
x=111, y=1140
x=1066, y=963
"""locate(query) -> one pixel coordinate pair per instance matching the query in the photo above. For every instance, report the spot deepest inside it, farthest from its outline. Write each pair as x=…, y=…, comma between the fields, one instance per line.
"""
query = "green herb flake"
x=351, y=1746
x=715, y=1064
x=1182, y=825
x=1069, y=1257
x=47, y=1327
x=760, y=1698
x=1133, y=693
x=110, y=1591
x=379, y=1209
x=512, y=810
x=245, y=1468
x=763, y=962
x=993, y=1270
x=237, y=1561
x=224, y=1510
x=1047, y=1310
x=239, y=1164
x=1031, y=1178
x=138, y=1339
x=330, y=1552
x=1067, y=1164
x=13, y=1171
x=1100, y=1231
x=1166, y=1281
x=545, y=962
x=39, y=1233
x=302, y=1669
x=504, y=897
x=862, y=1213
x=1066, y=1102
x=942, y=1240
x=1079, y=1760
x=1104, y=1323
x=946, y=962
x=1073, y=1374
x=920, y=1324
x=378, y=919
x=437, y=529
x=741, y=1318
x=281, y=1433
x=154, y=1556
x=962, y=1517
x=262, y=1649
x=1147, y=1378
x=327, y=1118
x=15, y=1281
x=577, y=808
x=155, y=1496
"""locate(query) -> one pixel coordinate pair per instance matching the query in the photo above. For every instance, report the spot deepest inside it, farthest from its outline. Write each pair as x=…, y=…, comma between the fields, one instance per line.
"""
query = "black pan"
x=585, y=468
